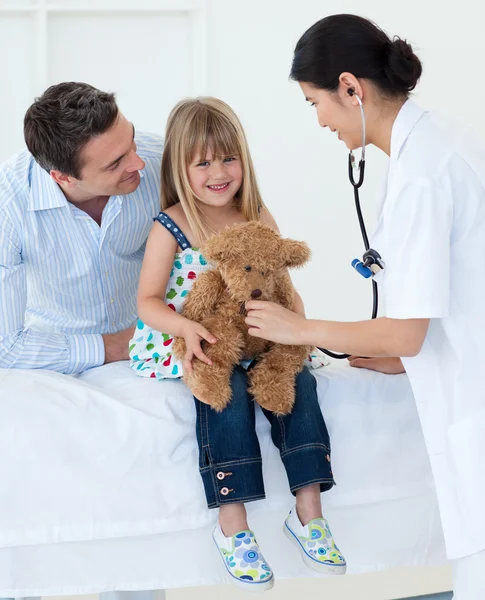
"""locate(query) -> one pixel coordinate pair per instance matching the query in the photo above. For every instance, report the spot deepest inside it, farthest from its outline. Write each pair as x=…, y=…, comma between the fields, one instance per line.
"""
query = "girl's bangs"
x=212, y=134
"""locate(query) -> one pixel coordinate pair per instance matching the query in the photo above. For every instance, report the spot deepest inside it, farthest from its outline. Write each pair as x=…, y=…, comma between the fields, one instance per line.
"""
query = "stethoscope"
x=371, y=262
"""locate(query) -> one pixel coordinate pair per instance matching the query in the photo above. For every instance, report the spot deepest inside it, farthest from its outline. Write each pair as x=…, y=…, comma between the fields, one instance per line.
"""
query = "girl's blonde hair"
x=194, y=126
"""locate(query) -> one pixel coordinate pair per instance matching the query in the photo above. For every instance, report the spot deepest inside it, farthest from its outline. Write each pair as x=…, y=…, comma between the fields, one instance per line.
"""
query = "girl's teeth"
x=218, y=187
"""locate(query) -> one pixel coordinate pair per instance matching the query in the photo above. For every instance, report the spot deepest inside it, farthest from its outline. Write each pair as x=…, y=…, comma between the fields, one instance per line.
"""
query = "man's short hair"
x=63, y=120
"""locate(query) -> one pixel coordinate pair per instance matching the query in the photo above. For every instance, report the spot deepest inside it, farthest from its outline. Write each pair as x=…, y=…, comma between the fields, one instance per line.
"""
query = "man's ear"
x=62, y=179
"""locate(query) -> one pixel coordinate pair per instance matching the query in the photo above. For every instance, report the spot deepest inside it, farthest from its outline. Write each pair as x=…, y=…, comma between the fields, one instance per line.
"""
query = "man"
x=75, y=212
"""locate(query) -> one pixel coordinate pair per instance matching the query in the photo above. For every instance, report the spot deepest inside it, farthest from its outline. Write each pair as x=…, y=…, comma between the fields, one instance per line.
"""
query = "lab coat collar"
x=406, y=119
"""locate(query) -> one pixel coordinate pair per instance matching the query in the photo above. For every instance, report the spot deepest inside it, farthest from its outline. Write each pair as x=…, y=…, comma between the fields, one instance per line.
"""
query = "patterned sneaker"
x=243, y=560
x=316, y=544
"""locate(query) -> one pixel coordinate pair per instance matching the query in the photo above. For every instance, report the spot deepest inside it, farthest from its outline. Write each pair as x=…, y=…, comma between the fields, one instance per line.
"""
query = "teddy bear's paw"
x=216, y=400
x=220, y=394
x=210, y=386
x=274, y=391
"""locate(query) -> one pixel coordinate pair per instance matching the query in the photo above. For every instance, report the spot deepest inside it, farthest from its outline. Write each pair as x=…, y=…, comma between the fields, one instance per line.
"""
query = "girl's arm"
x=155, y=273
x=298, y=306
x=152, y=309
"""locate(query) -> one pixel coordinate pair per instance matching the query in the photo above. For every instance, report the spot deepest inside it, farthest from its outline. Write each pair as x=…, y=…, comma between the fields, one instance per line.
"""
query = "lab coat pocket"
x=466, y=455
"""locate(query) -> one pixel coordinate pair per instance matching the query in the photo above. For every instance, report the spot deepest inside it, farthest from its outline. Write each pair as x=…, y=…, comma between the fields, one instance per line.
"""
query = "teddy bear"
x=251, y=261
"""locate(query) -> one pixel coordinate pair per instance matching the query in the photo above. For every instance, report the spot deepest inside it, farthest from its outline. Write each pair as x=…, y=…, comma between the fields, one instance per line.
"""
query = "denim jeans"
x=229, y=454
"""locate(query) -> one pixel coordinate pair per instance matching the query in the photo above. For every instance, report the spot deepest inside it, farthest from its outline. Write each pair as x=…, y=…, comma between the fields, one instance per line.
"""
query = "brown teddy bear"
x=251, y=261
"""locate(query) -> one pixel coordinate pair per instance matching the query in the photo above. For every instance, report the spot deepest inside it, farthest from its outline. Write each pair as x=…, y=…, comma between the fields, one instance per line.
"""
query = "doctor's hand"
x=274, y=323
x=389, y=366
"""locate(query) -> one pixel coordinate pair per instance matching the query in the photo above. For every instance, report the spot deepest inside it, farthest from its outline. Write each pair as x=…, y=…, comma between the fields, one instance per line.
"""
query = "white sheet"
x=107, y=464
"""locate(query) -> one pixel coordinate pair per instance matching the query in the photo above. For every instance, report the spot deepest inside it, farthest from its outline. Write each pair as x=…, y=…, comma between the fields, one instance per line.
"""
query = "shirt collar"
x=46, y=194
x=406, y=119
x=44, y=191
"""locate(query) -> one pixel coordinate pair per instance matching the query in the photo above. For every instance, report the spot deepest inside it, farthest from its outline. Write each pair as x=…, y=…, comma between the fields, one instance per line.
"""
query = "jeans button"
x=224, y=491
x=220, y=476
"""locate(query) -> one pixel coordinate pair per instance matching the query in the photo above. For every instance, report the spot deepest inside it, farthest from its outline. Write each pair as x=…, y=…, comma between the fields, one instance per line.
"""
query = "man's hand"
x=116, y=345
x=389, y=366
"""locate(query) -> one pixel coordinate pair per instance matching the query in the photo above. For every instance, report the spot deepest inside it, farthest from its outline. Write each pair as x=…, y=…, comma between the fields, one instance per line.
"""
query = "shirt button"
x=114, y=324
x=225, y=491
x=220, y=476
x=112, y=300
x=107, y=273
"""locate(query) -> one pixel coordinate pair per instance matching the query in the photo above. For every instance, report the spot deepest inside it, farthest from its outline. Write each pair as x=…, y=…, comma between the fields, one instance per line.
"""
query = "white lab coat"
x=431, y=236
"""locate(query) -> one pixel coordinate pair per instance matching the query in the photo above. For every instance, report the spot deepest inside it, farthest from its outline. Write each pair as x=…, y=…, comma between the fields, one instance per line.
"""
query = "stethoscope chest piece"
x=370, y=265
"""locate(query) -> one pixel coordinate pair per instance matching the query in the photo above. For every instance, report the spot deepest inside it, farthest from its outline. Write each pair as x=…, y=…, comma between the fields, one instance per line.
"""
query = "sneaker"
x=315, y=543
x=243, y=560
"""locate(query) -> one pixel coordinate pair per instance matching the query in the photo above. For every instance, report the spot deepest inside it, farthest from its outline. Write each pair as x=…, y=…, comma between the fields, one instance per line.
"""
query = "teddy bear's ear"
x=293, y=253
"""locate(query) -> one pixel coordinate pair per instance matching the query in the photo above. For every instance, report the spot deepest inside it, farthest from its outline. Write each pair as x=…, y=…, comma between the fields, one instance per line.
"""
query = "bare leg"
x=233, y=518
x=308, y=503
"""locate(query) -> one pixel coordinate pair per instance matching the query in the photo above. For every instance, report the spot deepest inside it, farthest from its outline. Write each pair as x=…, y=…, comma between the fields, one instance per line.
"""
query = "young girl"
x=208, y=184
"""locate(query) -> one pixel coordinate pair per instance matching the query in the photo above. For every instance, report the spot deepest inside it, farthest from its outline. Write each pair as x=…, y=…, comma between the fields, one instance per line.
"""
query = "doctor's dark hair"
x=59, y=124
x=349, y=43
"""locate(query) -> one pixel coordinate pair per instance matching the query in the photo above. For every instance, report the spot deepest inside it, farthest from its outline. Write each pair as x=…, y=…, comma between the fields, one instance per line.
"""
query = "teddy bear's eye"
x=263, y=273
x=247, y=268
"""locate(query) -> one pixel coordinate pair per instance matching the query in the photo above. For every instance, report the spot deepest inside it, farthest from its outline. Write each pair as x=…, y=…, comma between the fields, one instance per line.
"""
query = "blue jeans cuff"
x=233, y=482
x=308, y=464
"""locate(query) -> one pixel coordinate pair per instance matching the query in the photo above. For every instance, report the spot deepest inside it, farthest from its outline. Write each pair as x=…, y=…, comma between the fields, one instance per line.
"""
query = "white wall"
x=149, y=58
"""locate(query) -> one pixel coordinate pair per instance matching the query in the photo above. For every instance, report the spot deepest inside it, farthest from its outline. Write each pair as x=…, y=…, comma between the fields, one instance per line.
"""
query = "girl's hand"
x=193, y=334
x=272, y=322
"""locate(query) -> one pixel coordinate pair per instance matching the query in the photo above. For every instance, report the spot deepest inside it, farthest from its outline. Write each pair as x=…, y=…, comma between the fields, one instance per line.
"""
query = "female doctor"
x=431, y=237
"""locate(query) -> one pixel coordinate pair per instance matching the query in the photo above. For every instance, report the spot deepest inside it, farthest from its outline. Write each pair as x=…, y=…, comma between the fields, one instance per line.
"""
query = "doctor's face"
x=336, y=111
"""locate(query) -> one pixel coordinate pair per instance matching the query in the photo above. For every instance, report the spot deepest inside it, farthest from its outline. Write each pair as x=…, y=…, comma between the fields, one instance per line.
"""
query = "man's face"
x=110, y=163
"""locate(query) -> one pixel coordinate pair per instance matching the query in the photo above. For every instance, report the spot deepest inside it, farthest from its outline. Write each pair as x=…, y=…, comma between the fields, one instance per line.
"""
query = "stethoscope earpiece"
x=352, y=162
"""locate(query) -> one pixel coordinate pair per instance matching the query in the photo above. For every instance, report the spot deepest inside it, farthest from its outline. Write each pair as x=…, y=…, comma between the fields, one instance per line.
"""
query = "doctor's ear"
x=350, y=88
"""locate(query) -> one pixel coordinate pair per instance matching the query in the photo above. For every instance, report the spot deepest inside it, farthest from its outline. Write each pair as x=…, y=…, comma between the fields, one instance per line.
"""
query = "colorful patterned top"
x=150, y=350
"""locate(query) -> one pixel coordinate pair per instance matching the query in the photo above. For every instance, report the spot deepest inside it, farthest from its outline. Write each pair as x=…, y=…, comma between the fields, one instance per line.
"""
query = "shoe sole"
x=310, y=562
x=250, y=586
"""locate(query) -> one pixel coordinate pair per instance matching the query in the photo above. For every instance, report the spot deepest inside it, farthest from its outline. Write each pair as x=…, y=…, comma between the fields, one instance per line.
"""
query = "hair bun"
x=403, y=67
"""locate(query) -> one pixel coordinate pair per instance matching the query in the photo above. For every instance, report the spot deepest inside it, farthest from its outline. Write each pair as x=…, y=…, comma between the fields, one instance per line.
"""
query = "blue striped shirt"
x=65, y=280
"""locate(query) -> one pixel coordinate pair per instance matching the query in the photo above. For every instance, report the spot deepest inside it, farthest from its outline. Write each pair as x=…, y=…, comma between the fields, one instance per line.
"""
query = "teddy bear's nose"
x=256, y=293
